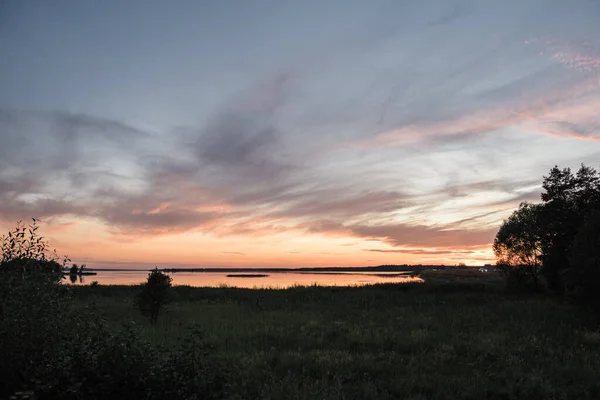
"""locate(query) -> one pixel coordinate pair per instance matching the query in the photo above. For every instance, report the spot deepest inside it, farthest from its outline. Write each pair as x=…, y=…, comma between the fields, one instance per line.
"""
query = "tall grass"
x=428, y=341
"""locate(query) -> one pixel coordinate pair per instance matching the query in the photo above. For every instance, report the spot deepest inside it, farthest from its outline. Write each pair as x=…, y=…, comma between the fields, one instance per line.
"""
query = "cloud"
x=62, y=227
x=219, y=182
x=400, y=134
x=243, y=140
x=465, y=189
x=64, y=164
x=425, y=236
x=582, y=55
x=341, y=203
x=424, y=252
x=508, y=84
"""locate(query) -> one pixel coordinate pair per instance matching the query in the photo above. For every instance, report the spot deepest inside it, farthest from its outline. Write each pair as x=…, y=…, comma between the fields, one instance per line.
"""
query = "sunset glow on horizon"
x=289, y=133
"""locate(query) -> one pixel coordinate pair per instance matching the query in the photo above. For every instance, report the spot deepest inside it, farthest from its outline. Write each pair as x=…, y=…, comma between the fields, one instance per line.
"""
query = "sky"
x=275, y=133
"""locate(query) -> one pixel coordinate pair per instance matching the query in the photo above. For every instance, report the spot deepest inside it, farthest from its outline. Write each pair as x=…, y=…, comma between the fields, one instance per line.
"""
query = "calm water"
x=273, y=280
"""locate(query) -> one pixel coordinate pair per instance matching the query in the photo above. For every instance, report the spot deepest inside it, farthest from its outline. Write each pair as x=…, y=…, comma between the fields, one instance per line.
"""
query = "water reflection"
x=268, y=280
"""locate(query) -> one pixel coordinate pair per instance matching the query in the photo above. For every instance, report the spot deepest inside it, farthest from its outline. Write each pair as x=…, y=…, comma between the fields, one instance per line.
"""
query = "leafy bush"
x=519, y=279
x=53, y=350
x=86, y=359
x=28, y=271
x=582, y=279
x=24, y=258
x=31, y=302
x=31, y=329
x=154, y=295
x=192, y=371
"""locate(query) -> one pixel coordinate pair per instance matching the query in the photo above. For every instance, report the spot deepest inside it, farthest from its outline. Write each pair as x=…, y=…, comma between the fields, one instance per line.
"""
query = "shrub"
x=74, y=269
x=519, y=279
x=581, y=280
x=154, y=295
x=52, y=350
x=31, y=329
x=192, y=371
x=31, y=305
x=25, y=256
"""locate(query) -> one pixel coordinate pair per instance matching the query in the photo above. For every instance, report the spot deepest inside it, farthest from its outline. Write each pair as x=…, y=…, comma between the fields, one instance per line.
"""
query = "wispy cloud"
x=582, y=55
x=386, y=124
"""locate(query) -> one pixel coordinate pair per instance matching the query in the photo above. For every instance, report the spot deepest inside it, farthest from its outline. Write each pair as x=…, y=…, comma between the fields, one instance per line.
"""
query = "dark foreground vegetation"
x=530, y=332
x=554, y=246
x=456, y=337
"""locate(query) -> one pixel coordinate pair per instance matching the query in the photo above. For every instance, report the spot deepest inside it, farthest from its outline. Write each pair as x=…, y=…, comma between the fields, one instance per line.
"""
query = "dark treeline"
x=554, y=246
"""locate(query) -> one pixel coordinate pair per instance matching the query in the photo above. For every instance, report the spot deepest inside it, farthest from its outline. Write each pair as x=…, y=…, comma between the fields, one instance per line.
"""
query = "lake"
x=278, y=279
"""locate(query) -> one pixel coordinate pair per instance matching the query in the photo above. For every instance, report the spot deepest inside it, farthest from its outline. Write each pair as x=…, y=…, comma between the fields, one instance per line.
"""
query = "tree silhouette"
x=74, y=269
x=154, y=295
x=556, y=236
x=518, y=246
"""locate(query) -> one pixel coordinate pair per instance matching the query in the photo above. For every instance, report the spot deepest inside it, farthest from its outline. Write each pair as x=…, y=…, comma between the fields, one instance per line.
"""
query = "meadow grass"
x=453, y=337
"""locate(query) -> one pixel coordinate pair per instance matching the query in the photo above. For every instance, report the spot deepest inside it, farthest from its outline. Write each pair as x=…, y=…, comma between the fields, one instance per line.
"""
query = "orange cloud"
x=62, y=227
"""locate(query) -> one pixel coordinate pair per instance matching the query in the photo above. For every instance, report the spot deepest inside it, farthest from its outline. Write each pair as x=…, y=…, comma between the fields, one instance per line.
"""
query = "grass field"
x=457, y=336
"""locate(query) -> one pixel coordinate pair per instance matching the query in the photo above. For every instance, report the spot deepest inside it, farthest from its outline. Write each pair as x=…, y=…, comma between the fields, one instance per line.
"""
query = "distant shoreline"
x=380, y=268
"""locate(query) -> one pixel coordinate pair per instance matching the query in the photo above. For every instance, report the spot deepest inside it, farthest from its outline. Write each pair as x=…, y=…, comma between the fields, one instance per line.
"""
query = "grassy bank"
x=455, y=337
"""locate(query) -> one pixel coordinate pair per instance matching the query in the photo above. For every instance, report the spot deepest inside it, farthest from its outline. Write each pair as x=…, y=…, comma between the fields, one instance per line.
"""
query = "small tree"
x=154, y=295
x=74, y=269
x=518, y=246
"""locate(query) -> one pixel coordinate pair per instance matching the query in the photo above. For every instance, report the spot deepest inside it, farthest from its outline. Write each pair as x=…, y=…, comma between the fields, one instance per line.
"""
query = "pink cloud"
x=579, y=55
x=63, y=227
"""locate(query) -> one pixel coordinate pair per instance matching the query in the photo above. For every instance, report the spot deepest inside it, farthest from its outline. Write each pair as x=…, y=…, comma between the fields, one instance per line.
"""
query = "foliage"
x=31, y=329
x=542, y=237
x=24, y=253
x=26, y=265
x=74, y=269
x=517, y=246
x=81, y=357
x=192, y=370
x=567, y=199
x=54, y=348
x=154, y=294
x=583, y=279
x=380, y=342
x=31, y=303
x=16, y=245
x=377, y=342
